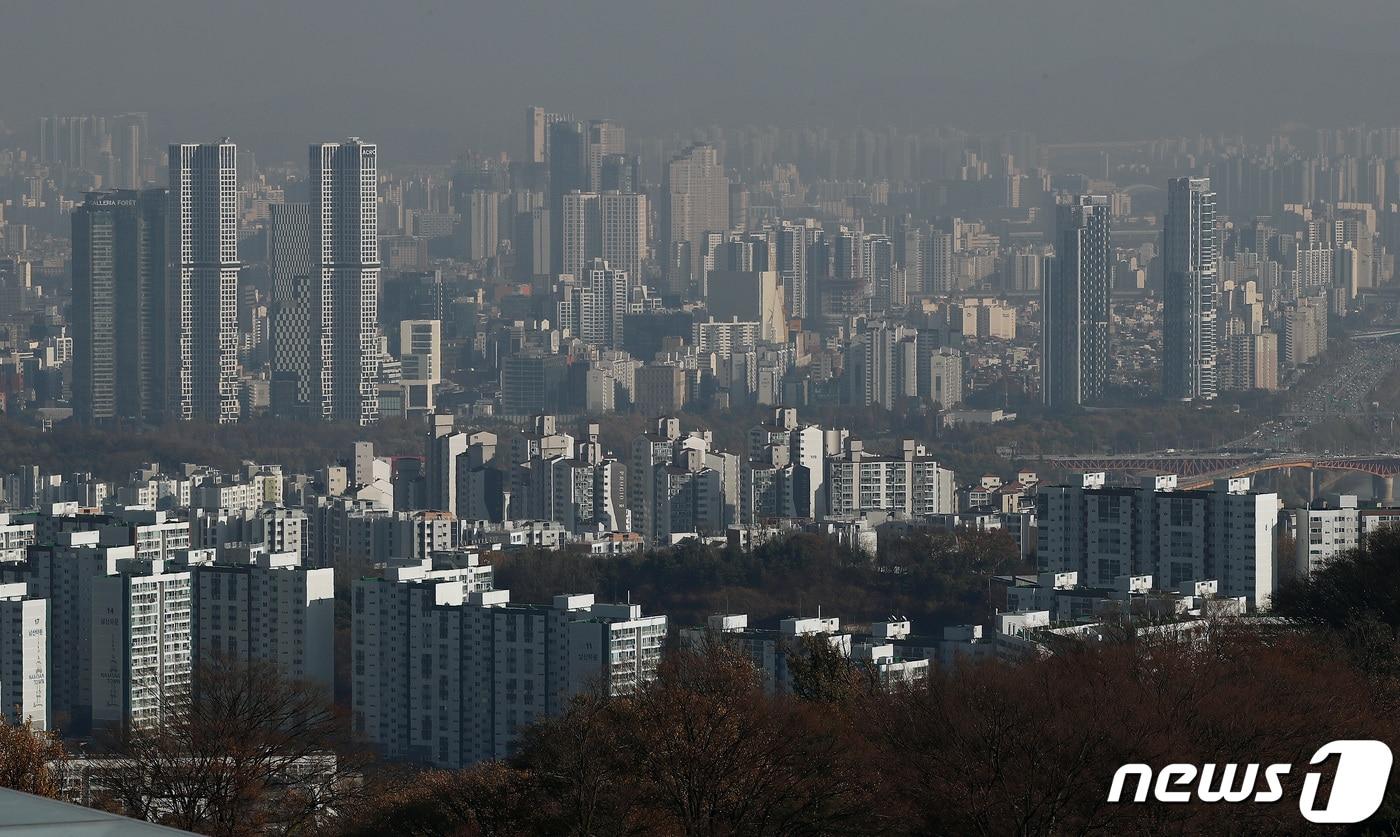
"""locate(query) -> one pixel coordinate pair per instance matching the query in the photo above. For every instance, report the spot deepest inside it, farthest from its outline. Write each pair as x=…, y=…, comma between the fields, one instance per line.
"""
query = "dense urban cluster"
x=513, y=308
x=589, y=272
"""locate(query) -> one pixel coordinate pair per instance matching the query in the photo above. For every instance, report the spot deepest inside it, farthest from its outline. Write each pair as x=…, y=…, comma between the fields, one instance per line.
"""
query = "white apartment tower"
x=24, y=657
x=142, y=649
x=608, y=225
x=449, y=675
x=202, y=354
x=345, y=279
x=259, y=607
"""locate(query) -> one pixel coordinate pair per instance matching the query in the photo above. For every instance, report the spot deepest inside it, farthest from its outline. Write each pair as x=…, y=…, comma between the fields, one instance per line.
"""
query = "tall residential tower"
x=1075, y=305
x=1190, y=254
x=202, y=341
x=119, y=314
x=345, y=280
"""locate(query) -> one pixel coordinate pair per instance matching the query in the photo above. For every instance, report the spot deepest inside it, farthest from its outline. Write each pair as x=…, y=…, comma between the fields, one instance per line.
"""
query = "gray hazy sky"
x=425, y=77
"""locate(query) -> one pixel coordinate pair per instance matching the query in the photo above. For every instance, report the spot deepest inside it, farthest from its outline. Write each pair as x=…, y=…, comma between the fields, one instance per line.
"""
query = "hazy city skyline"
x=430, y=79
x=699, y=418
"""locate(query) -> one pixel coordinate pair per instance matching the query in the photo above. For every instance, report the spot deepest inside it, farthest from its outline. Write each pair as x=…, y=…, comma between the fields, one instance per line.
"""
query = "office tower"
x=289, y=263
x=621, y=173
x=749, y=296
x=24, y=657
x=849, y=264
x=345, y=284
x=530, y=240
x=1189, y=264
x=879, y=271
x=568, y=172
x=697, y=200
x=202, y=381
x=481, y=219
x=119, y=305
x=537, y=122
x=605, y=138
x=532, y=382
x=1075, y=305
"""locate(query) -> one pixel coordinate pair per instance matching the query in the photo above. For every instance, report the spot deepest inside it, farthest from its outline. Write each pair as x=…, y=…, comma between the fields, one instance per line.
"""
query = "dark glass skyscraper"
x=1075, y=305
x=568, y=172
x=119, y=305
x=1190, y=254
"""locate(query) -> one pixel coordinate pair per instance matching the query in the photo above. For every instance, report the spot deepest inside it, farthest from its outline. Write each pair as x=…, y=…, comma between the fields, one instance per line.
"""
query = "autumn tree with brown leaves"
x=31, y=760
x=246, y=751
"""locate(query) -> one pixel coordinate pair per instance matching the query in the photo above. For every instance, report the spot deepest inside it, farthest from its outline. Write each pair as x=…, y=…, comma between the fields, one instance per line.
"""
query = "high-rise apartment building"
x=606, y=137
x=594, y=304
x=1075, y=305
x=568, y=172
x=256, y=607
x=623, y=232
x=697, y=200
x=24, y=657
x=611, y=226
x=1225, y=533
x=289, y=263
x=481, y=220
x=345, y=283
x=202, y=340
x=142, y=648
x=937, y=275
x=1190, y=257
x=119, y=305
x=913, y=482
x=448, y=672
